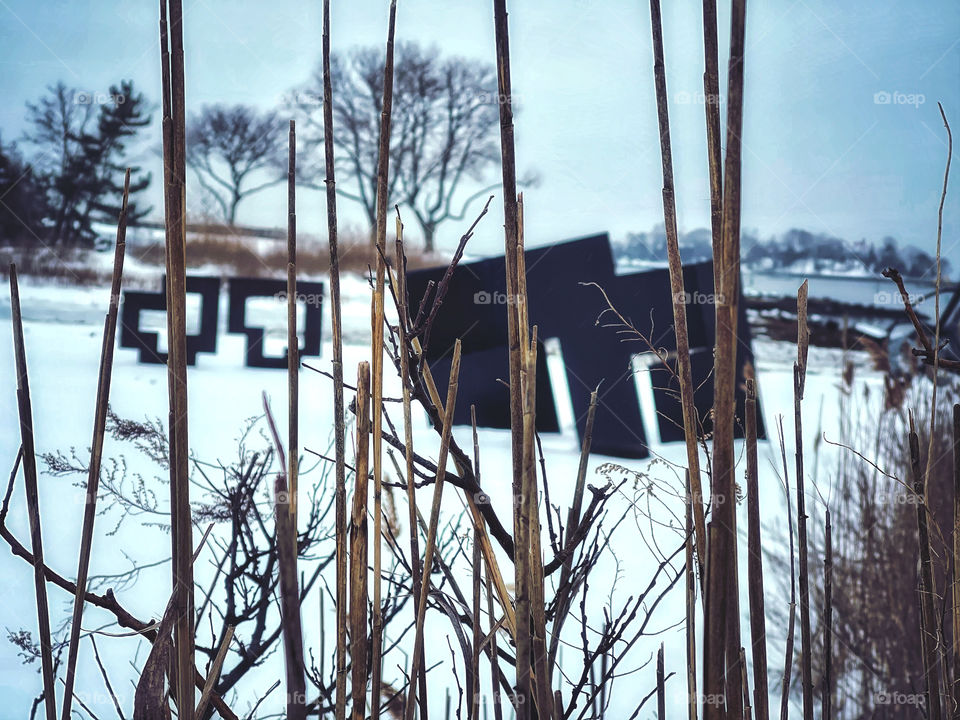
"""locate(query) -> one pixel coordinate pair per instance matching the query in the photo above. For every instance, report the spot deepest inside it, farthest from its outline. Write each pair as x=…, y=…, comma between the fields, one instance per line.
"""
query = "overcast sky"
x=820, y=152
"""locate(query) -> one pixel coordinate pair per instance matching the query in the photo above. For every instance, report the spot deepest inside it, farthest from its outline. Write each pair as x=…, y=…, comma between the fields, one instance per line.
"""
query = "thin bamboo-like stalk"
x=573, y=522
x=826, y=691
x=383, y=169
x=684, y=371
x=799, y=379
x=473, y=711
x=930, y=635
x=340, y=500
x=293, y=344
x=538, y=645
x=96, y=449
x=721, y=646
x=400, y=282
x=358, y=549
x=32, y=493
x=433, y=526
x=791, y=621
x=494, y=657
x=747, y=715
x=174, y=153
x=511, y=241
x=489, y=555
x=661, y=687
x=758, y=629
x=285, y=535
x=711, y=95
x=690, y=602
x=955, y=584
x=214, y=673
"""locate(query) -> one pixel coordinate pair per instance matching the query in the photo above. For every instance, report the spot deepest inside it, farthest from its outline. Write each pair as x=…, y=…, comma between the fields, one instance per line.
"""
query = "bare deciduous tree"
x=229, y=147
x=444, y=123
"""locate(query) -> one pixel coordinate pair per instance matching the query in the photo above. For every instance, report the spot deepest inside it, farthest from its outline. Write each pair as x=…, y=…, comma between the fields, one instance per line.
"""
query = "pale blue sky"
x=819, y=152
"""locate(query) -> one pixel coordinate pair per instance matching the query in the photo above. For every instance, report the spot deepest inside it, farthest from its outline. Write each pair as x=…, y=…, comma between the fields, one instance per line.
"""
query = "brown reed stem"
x=722, y=643
x=826, y=691
x=791, y=621
x=473, y=711
x=96, y=449
x=31, y=490
x=684, y=371
x=403, y=323
x=433, y=526
x=930, y=634
x=955, y=583
x=293, y=344
x=511, y=242
x=799, y=380
x=383, y=168
x=758, y=629
x=174, y=152
x=337, y=372
x=358, y=548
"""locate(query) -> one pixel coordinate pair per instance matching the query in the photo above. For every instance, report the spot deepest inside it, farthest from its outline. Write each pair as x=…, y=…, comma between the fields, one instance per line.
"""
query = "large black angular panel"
x=487, y=371
x=131, y=336
x=563, y=307
x=241, y=289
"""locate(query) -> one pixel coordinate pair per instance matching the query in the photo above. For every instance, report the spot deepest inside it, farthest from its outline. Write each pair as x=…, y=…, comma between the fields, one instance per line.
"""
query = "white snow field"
x=63, y=328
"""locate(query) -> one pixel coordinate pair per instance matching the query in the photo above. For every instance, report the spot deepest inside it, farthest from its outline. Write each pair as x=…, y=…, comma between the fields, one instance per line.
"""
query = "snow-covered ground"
x=63, y=335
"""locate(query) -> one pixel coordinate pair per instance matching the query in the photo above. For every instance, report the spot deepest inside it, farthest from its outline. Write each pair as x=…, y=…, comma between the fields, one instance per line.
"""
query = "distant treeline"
x=794, y=250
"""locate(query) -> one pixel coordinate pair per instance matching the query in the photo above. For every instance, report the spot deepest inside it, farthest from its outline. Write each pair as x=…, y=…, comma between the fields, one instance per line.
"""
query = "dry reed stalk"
x=684, y=371
x=573, y=522
x=383, y=168
x=747, y=715
x=285, y=533
x=96, y=449
x=337, y=372
x=358, y=548
x=791, y=621
x=494, y=658
x=511, y=240
x=929, y=629
x=473, y=711
x=214, y=674
x=826, y=692
x=955, y=595
x=758, y=630
x=799, y=380
x=433, y=526
x=721, y=645
x=538, y=645
x=400, y=283
x=32, y=493
x=293, y=344
x=489, y=555
x=661, y=687
x=711, y=94
x=690, y=602
x=521, y=516
x=181, y=524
